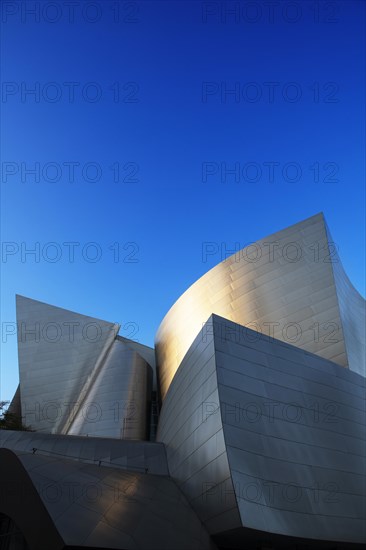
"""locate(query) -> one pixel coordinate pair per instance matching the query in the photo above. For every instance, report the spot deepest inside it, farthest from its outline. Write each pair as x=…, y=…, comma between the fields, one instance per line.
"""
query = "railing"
x=93, y=460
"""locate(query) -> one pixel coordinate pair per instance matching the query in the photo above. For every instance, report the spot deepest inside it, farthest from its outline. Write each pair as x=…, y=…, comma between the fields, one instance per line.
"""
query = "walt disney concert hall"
x=244, y=428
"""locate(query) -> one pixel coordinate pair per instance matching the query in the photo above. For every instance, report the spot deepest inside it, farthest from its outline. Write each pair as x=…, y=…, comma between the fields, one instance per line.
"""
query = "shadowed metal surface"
x=194, y=438
x=59, y=502
x=282, y=285
x=264, y=435
x=134, y=455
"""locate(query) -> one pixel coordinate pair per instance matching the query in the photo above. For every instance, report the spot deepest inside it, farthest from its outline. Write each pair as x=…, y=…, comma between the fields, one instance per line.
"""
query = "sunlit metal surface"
x=263, y=435
x=118, y=402
x=352, y=310
x=78, y=377
x=289, y=285
x=262, y=420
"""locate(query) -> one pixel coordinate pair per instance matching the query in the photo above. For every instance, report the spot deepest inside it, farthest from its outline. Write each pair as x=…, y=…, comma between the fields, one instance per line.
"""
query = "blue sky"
x=136, y=119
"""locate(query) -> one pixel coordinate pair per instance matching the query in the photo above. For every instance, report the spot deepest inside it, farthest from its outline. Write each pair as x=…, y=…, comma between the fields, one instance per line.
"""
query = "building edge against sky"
x=263, y=435
x=214, y=357
x=292, y=276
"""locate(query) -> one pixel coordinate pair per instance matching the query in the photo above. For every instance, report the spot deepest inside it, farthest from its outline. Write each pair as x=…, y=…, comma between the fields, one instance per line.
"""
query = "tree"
x=11, y=421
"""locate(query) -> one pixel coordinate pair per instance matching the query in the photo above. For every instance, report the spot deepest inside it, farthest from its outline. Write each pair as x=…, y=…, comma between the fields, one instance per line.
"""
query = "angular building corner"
x=262, y=435
x=243, y=428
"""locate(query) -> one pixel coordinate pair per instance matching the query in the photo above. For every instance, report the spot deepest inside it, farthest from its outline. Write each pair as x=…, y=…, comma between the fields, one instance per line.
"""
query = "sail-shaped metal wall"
x=78, y=377
x=289, y=285
x=263, y=405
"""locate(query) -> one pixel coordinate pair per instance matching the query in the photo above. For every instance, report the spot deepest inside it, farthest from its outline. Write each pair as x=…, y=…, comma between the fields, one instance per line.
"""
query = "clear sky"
x=140, y=111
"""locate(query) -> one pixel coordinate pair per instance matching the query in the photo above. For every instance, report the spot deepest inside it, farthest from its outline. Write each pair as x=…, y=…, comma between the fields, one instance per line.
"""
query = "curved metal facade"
x=284, y=286
x=118, y=403
x=263, y=435
x=262, y=423
x=352, y=311
x=77, y=377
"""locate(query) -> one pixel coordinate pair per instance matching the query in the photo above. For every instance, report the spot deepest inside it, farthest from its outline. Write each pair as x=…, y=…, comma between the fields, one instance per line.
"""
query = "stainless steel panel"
x=77, y=377
x=295, y=468
x=99, y=506
x=273, y=289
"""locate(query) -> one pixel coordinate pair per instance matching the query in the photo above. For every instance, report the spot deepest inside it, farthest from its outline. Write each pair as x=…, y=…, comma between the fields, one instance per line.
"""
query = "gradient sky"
x=141, y=95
